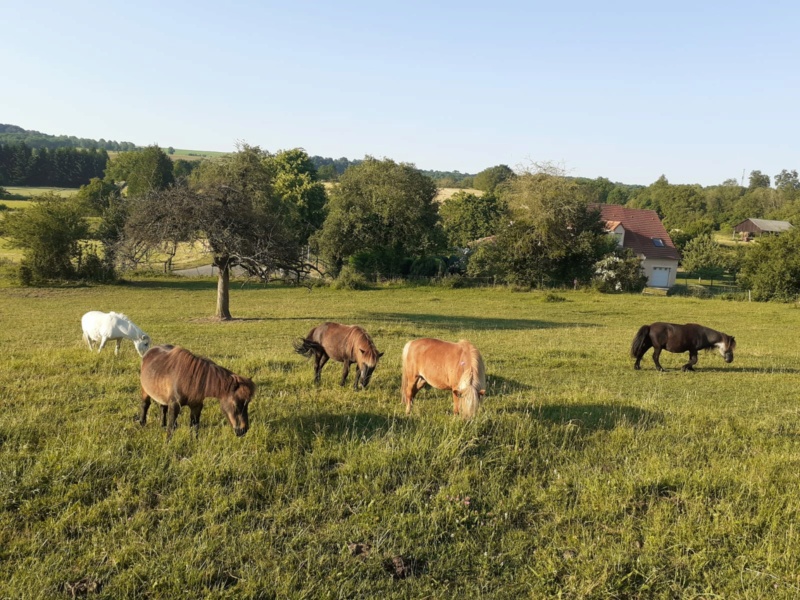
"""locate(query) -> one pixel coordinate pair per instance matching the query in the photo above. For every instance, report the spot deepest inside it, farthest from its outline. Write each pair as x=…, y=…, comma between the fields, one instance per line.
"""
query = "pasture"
x=579, y=477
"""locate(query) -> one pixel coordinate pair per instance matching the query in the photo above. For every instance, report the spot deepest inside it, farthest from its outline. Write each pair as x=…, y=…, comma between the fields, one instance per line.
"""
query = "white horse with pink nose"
x=99, y=327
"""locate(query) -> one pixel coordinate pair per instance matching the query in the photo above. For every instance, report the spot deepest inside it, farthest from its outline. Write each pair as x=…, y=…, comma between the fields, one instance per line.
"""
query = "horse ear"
x=380, y=354
x=363, y=351
x=482, y=392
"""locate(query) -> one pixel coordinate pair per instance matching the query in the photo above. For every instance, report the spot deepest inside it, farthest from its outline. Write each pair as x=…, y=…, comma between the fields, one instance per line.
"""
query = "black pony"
x=680, y=338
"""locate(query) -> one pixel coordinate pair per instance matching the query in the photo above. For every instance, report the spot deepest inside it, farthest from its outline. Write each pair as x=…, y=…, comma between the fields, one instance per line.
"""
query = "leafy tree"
x=142, y=170
x=231, y=206
x=703, y=257
x=49, y=233
x=383, y=211
x=758, y=180
x=183, y=168
x=555, y=237
x=295, y=182
x=467, y=217
x=327, y=173
x=488, y=179
x=771, y=268
x=97, y=195
x=170, y=150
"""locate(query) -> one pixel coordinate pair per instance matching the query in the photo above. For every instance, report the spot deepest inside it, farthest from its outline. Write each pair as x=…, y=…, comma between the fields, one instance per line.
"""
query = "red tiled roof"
x=642, y=226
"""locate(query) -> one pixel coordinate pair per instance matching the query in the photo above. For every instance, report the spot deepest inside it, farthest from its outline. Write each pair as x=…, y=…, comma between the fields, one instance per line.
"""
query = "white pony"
x=101, y=327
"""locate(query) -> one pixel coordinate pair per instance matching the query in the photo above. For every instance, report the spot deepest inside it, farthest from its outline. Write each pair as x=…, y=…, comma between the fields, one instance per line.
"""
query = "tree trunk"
x=223, y=289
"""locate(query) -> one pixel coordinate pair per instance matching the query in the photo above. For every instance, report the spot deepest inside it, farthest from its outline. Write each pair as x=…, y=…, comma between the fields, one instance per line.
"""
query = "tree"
x=758, y=180
x=97, y=195
x=467, y=217
x=771, y=268
x=384, y=212
x=554, y=236
x=48, y=232
x=620, y=272
x=229, y=205
x=703, y=257
x=142, y=170
x=295, y=181
x=488, y=179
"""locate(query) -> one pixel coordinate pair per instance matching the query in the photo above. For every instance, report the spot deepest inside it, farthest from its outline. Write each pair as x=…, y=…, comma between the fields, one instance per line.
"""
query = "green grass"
x=195, y=154
x=580, y=477
x=30, y=193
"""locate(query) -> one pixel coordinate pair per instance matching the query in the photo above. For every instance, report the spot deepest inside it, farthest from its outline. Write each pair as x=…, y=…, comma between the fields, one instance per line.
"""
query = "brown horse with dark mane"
x=689, y=338
x=445, y=366
x=174, y=377
x=347, y=344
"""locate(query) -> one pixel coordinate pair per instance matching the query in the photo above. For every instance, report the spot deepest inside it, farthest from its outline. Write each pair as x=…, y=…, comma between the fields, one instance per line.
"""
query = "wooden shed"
x=750, y=228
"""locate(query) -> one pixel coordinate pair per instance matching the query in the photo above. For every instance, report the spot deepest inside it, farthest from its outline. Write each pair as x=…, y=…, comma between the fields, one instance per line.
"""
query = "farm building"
x=750, y=228
x=642, y=231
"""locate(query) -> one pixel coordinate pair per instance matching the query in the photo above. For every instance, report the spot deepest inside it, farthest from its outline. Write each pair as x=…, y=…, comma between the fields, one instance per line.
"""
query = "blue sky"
x=697, y=91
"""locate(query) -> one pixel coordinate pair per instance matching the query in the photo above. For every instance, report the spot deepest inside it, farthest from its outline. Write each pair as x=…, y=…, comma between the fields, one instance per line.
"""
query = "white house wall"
x=672, y=265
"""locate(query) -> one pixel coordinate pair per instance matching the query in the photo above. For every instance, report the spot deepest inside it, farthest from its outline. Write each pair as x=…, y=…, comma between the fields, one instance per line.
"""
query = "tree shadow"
x=456, y=322
x=589, y=417
x=189, y=285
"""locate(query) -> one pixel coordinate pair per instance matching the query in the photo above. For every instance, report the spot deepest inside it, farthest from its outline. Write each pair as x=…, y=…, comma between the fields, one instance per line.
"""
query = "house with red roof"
x=642, y=231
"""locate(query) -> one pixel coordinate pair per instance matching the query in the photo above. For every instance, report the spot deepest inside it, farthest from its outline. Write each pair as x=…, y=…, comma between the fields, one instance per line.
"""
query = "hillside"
x=13, y=134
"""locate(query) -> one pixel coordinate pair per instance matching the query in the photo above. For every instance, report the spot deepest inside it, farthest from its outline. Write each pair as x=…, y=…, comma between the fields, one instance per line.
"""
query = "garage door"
x=660, y=277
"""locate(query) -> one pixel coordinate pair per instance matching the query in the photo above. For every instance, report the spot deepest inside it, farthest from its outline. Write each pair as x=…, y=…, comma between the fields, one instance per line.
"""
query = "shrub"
x=619, y=273
x=553, y=297
x=350, y=279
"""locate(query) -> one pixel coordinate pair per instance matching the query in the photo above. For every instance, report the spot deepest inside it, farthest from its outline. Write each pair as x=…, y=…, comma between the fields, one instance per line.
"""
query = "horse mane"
x=201, y=377
x=357, y=334
x=475, y=375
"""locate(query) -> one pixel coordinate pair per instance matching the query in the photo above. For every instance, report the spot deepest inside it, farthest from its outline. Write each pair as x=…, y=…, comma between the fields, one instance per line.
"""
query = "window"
x=658, y=242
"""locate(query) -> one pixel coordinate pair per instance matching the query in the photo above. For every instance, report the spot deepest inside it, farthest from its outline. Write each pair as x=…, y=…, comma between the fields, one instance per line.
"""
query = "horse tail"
x=641, y=341
x=472, y=385
x=306, y=346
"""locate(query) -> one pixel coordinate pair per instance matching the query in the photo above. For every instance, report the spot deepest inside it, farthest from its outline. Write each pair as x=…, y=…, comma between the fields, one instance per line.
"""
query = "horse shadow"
x=349, y=425
x=498, y=385
x=457, y=323
x=589, y=417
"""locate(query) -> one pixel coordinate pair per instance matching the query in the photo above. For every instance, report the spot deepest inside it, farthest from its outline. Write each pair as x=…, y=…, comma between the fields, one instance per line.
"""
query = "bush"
x=553, y=297
x=452, y=282
x=350, y=279
x=619, y=274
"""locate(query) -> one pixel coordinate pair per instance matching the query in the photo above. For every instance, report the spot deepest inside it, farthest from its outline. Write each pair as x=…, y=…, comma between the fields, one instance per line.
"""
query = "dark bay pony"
x=347, y=344
x=174, y=377
x=680, y=338
x=445, y=366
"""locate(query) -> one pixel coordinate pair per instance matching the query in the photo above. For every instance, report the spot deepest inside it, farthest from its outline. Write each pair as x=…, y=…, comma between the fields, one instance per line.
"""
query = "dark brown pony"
x=689, y=338
x=343, y=343
x=446, y=366
x=174, y=377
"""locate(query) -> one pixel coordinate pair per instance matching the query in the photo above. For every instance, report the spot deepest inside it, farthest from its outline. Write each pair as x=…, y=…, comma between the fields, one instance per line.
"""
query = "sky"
x=697, y=91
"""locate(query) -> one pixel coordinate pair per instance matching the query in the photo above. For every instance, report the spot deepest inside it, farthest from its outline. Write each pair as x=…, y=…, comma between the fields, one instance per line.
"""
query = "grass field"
x=580, y=477
x=30, y=193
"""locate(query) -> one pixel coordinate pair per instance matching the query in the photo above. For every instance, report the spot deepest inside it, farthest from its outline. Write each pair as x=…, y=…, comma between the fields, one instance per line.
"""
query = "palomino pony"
x=446, y=366
x=343, y=343
x=680, y=338
x=101, y=327
x=174, y=377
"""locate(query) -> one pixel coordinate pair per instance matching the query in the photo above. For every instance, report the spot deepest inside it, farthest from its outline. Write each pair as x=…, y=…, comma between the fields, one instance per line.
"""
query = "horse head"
x=142, y=344
x=235, y=403
x=367, y=361
x=727, y=347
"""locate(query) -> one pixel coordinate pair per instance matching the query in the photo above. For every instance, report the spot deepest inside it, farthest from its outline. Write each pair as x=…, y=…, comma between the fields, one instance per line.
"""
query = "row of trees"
x=269, y=213
x=12, y=134
x=65, y=167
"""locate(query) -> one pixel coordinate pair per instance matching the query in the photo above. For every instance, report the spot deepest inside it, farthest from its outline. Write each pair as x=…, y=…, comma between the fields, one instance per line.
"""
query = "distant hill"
x=13, y=134
x=329, y=169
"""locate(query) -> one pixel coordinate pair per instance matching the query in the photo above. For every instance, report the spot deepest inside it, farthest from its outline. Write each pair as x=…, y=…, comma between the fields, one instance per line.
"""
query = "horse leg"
x=116, y=350
x=102, y=345
x=345, y=372
x=320, y=360
x=194, y=417
x=164, y=408
x=173, y=410
x=456, y=403
x=692, y=361
x=145, y=405
x=656, y=354
x=88, y=341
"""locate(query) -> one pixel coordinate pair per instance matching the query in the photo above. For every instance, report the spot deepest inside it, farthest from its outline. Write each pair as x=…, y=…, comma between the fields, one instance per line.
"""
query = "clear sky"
x=697, y=91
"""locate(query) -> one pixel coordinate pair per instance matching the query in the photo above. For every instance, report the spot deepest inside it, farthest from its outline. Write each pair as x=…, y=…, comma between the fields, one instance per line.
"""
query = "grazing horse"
x=174, y=377
x=343, y=343
x=446, y=366
x=101, y=327
x=680, y=338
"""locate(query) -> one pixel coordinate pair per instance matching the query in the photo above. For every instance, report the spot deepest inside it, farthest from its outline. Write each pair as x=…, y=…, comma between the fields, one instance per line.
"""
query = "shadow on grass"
x=182, y=283
x=590, y=417
x=501, y=385
x=353, y=425
x=464, y=322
